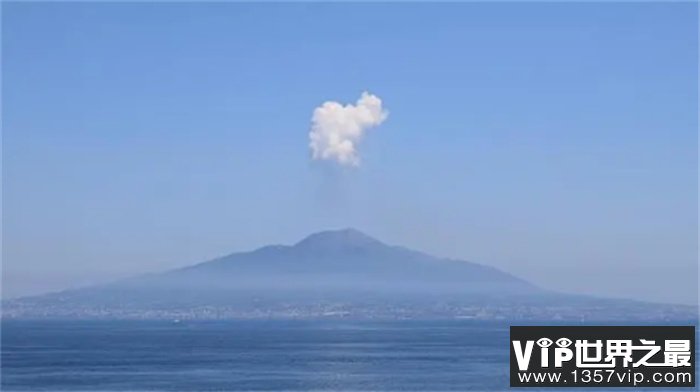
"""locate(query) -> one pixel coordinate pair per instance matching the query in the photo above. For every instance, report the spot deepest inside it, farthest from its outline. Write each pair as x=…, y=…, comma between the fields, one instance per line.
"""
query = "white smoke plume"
x=336, y=130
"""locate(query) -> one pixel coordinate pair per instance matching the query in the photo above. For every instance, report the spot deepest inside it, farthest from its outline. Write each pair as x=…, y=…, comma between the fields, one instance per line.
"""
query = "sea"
x=333, y=355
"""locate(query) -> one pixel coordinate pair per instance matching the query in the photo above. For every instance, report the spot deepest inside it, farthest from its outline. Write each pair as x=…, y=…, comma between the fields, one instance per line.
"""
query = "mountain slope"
x=343, y=259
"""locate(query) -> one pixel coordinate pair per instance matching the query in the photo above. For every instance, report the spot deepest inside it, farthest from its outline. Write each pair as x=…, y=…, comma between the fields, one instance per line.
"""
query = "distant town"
x=630, y=311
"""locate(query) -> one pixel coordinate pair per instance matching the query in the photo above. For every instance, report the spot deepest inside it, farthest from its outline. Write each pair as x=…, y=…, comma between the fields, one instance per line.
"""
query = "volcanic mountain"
x=332, y=273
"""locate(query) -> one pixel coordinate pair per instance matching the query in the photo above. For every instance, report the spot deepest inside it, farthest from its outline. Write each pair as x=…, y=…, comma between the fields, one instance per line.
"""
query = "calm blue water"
x=254, y=355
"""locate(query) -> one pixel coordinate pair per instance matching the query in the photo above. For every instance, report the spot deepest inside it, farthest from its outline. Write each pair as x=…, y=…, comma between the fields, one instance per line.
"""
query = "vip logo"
x=591, y=353
x=561, y=352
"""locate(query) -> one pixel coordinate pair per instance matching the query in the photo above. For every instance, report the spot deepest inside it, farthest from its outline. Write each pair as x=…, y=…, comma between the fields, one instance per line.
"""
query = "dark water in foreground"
x=255, y=355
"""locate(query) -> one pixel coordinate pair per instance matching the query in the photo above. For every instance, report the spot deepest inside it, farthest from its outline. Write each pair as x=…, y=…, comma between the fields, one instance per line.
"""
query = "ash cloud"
x=337, y=129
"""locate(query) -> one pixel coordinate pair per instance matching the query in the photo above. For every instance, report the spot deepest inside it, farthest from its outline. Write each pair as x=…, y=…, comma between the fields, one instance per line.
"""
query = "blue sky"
x=555, y=141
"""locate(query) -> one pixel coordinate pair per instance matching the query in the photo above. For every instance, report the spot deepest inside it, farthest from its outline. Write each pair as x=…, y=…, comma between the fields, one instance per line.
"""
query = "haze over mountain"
x=331, y=273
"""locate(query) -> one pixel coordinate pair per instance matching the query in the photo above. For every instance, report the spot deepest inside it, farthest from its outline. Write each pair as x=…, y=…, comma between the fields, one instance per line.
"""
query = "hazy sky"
x=555, y=141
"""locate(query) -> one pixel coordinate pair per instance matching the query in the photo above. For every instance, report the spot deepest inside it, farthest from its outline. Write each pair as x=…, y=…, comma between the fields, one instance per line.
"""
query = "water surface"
x=254, y=355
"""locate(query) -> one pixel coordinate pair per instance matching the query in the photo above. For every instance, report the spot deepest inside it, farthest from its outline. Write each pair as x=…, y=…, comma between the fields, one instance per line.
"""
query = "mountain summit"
x=340, y=272
x=338, y=239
